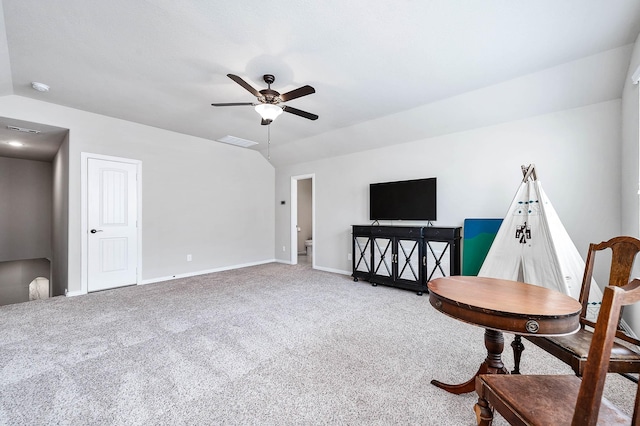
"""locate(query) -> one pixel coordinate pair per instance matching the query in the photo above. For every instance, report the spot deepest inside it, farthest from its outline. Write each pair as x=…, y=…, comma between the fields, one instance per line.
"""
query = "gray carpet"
x=269, y=345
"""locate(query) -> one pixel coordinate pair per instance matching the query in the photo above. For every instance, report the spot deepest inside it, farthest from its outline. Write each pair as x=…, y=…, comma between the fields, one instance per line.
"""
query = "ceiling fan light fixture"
x=268, y=112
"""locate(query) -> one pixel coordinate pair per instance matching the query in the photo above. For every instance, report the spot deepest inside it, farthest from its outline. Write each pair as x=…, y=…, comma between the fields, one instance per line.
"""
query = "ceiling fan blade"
x=299, y=112
x=244, y=84
x=232, y=104
x=297, y=93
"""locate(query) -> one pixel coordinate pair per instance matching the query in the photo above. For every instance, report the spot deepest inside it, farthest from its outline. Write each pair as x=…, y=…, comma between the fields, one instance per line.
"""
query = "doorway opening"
x=303, y=242
x=34, y=172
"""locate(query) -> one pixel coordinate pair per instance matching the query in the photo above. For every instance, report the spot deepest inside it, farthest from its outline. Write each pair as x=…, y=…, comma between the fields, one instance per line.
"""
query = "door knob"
x=93, y=231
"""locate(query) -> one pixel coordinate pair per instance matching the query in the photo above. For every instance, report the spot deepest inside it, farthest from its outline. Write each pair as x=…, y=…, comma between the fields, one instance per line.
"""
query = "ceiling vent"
x=23, y=130
x=232, y=140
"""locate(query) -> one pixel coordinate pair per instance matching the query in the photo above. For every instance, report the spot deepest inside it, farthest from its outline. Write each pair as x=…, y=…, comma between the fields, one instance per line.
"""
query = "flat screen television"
x=403, y=200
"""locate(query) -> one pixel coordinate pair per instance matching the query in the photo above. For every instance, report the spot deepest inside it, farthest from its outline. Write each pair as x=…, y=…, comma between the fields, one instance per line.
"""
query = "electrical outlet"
x=284, y=248
x=349, y=256
x=189, y=258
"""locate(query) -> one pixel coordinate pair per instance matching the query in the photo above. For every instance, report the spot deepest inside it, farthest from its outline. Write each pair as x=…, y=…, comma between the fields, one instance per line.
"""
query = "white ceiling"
x=163, y=62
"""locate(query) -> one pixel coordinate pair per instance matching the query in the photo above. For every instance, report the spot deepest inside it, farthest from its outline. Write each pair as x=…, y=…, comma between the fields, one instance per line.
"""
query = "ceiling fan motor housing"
x=270, y=96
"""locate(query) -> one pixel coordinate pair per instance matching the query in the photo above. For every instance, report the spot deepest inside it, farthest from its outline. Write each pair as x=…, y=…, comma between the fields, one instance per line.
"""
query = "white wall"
x=630, y=152
x=25, y=209
x=60, y=222
x=565, y=119
x=576, y=152
x=199, y=197
x=630, y=175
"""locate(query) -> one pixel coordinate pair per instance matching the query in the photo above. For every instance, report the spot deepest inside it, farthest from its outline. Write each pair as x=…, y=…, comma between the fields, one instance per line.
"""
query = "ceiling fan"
x=269, y=100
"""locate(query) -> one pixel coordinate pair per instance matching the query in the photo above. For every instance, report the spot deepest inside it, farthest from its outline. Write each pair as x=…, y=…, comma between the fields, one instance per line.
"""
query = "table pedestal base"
x=494, y=342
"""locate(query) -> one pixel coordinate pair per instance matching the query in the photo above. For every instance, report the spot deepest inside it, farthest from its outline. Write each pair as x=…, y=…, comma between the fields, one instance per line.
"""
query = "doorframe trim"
x=84, y=212
x=294, y=219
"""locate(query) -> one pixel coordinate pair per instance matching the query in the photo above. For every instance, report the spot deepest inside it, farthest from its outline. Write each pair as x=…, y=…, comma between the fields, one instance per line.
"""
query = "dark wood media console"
x=405, y=256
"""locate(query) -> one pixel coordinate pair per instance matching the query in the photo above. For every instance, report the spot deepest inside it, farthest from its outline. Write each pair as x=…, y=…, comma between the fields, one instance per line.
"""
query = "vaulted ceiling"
x=163, y=62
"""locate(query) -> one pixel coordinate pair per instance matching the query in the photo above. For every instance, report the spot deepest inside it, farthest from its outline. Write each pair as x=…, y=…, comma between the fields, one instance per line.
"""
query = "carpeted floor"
x=269, y=345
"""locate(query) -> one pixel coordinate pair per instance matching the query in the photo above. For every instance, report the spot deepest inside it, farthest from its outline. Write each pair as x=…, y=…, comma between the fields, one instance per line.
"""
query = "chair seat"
x=578, y=343
x=550, y=400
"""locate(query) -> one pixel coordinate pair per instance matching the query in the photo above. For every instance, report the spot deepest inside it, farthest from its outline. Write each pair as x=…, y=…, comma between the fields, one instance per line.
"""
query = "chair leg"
x=517, y=347
x=484, y=412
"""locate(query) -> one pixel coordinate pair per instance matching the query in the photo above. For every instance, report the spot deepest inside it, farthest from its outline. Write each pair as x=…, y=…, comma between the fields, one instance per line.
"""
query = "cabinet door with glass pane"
x=408, y=261
x=361, y=255
x=382, y=259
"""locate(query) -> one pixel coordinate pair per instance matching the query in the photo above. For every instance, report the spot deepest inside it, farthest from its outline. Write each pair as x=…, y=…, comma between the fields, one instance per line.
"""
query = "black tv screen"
x=403, y=200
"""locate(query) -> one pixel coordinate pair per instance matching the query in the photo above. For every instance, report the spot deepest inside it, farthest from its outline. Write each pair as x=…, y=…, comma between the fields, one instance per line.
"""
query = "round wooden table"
x=502, y=305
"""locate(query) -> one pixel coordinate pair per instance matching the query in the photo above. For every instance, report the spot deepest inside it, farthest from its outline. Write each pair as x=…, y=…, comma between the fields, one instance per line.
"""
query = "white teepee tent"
x=532, y=245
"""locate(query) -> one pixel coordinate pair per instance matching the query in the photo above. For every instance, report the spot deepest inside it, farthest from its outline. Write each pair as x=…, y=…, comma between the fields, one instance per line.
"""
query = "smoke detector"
x=40, y=87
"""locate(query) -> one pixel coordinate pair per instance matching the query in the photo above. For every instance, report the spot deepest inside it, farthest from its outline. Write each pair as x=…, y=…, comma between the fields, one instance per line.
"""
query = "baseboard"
x=335, y=271
x=207, y=271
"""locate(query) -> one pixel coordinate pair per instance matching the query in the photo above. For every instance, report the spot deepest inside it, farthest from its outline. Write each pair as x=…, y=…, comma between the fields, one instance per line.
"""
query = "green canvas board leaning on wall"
x=478, y=237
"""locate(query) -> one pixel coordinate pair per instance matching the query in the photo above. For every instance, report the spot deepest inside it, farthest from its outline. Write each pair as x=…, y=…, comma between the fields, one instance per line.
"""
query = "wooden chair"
x=573, y=349
x=563, y=399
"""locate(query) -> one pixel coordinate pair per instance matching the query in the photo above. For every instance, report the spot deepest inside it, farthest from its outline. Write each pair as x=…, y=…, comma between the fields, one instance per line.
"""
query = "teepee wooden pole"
x=529, y=171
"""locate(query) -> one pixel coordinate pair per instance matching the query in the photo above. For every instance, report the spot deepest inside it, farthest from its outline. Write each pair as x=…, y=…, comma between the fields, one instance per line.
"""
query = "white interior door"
x=112, y=238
